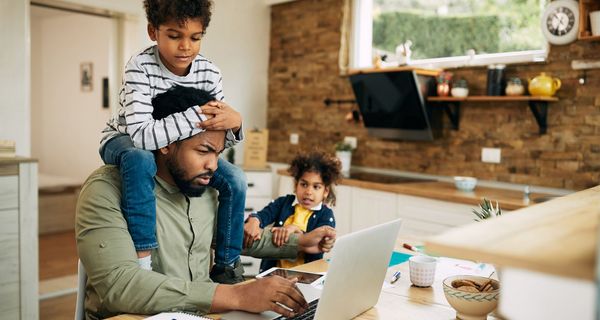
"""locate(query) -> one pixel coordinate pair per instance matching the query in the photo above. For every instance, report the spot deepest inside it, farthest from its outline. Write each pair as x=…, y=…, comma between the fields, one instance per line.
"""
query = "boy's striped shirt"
x=145, y=76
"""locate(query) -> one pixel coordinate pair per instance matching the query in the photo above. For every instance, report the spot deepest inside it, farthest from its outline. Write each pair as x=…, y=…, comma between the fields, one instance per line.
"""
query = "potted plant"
x=343, y=151
x=487, y=210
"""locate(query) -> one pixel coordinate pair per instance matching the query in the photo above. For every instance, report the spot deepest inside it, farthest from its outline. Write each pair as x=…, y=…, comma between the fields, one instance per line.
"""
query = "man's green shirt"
x=179, y=280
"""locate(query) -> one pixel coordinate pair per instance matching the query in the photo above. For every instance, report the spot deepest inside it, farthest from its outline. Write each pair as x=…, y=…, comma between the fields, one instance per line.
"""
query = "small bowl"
x=466, y=184
x=459, y=92
x=471, y=305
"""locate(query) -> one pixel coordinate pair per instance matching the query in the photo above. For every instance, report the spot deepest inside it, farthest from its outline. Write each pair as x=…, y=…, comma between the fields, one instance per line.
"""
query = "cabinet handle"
x=249, y=209
x=250, y=184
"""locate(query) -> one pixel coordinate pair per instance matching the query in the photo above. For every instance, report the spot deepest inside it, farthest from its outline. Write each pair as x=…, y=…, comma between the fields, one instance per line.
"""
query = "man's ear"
x=152, y=32
x=164, y=150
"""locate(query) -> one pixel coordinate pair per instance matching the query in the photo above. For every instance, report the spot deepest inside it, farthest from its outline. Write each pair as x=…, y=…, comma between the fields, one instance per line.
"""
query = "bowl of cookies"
x=472, y=297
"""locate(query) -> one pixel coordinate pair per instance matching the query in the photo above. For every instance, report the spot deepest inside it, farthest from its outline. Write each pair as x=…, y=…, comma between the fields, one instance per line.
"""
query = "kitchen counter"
x=439, y=190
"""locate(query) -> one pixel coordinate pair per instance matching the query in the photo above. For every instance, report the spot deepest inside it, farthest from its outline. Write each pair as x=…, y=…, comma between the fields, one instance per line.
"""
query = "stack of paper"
x=7, y=149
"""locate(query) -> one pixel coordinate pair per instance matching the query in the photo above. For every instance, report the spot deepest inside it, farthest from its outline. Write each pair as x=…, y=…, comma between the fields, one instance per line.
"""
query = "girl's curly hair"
x=327, y=166
x=162, y=11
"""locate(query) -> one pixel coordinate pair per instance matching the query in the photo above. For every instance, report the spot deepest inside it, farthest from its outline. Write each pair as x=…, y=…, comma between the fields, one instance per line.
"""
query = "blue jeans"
x=138, y=168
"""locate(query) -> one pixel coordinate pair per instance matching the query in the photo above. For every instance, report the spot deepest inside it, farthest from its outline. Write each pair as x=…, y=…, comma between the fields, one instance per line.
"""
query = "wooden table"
x=403, y=301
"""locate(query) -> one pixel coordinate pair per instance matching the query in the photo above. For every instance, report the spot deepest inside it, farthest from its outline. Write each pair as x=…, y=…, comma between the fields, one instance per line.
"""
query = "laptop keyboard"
x=307, y=315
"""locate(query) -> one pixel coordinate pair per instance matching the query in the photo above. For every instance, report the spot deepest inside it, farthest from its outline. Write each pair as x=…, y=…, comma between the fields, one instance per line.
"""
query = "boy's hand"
x=281, y=235
x=252, y=231
x=223, y=117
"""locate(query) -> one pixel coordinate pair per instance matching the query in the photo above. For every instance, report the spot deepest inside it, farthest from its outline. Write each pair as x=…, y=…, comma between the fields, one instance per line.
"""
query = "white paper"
x=175, y=316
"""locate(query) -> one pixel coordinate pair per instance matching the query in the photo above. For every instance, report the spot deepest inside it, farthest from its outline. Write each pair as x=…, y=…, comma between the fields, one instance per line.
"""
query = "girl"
x=314, y=175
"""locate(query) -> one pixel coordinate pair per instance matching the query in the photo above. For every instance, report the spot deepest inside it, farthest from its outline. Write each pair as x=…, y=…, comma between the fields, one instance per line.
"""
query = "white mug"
x=422, y=270
x=595, y=22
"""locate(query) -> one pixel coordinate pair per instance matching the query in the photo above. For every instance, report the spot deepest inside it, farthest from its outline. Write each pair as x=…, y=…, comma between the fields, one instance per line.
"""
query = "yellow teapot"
x=543, y=85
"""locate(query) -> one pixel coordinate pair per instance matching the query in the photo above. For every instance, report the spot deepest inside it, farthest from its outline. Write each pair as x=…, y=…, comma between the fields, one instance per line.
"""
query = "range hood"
x=393, y=104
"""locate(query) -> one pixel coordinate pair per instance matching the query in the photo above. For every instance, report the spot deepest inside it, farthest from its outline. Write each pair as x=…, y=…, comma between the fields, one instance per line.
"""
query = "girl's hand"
x=280, y=235
x=293, y=229
x=223, y=117
x=252, y=232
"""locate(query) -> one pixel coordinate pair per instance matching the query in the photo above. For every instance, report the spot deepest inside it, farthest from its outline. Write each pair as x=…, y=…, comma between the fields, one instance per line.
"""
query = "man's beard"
x=187, y=187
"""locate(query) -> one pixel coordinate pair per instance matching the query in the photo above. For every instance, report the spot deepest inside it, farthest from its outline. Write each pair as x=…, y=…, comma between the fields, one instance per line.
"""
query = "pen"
x=411, y=248
x=395, y=277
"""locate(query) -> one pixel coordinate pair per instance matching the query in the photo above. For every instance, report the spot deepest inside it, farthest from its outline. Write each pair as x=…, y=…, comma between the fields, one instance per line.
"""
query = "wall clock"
x=560, y=21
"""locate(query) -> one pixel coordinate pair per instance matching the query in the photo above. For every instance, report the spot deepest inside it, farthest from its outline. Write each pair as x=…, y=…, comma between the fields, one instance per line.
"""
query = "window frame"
x=362, y=47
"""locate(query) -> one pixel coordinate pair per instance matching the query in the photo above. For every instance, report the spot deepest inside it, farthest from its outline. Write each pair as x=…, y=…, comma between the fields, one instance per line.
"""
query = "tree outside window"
x=450, y=28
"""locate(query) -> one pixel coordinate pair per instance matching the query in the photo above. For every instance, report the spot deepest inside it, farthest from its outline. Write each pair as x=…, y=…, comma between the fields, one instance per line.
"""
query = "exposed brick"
x=303, y=71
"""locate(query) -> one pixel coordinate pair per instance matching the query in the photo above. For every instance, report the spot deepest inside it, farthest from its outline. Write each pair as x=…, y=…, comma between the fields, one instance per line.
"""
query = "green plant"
x=487, y=210
x=343, y=146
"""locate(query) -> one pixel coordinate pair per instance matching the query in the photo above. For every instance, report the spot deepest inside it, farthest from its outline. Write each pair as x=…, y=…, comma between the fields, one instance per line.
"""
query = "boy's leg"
x=230, y=181
x=138, y=203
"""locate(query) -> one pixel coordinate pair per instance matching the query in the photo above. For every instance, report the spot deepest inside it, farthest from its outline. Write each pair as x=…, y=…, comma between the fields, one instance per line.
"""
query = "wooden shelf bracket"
x=540, y=112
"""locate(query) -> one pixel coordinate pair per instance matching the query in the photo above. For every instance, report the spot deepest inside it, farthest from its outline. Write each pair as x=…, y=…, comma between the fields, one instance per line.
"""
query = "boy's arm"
x=135, y=99
x=232, y=137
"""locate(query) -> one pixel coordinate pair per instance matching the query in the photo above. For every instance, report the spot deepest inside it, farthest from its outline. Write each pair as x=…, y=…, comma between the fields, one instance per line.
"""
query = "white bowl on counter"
x=466, y=184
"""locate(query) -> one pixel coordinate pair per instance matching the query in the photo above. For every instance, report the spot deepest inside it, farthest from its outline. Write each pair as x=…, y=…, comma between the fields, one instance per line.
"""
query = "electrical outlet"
x=490, y=155
x=352, y=141
x=294, y=138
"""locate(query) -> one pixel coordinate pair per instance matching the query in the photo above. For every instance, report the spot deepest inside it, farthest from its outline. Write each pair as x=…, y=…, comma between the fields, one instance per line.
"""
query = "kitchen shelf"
x=585, y=7
x=537, y=104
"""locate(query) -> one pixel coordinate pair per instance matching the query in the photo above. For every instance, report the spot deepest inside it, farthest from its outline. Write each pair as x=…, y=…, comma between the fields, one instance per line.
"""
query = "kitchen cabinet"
x=422, y=216
x=18, y=239
x=370, y=207
x=343, y=210
x=258, y=195
x=358, y=208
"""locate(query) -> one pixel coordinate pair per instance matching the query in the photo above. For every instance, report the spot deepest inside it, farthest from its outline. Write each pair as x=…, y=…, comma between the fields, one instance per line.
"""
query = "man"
x=185, y=228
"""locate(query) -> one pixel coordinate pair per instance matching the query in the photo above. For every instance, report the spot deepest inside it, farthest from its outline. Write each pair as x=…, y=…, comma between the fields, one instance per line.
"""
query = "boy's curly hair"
x=327, y=166
x=162, y=11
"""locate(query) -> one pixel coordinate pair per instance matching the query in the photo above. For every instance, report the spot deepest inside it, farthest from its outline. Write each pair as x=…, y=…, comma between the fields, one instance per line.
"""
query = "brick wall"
x=303, y=71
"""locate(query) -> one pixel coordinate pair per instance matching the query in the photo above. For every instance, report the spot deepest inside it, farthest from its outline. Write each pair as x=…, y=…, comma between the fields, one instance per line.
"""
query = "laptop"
x=359, y=262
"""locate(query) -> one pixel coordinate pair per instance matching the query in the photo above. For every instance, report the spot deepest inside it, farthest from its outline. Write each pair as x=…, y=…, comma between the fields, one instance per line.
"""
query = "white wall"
x=14, y=74
x=237, y=41
x=66, y=122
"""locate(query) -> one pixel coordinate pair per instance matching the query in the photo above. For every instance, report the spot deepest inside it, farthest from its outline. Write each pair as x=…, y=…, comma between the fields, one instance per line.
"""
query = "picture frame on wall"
x=86, y=76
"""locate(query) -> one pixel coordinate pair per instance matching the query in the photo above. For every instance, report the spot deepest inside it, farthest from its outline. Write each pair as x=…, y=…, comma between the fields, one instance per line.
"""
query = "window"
x=448, y=33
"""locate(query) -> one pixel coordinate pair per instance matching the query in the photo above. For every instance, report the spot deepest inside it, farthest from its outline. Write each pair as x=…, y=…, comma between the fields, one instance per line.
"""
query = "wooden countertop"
x=557, y=237
x=15, y=160
x=445, y=191
x=420, y=71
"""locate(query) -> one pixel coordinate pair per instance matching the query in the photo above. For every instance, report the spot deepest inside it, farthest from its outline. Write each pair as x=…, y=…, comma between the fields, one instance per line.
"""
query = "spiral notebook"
x=175, y=316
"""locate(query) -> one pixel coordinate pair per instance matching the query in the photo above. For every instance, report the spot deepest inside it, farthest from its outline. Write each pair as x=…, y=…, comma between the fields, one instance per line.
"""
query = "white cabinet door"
x=9, y=192
x=259, y=183
x=343, y=210
x=371, y=207
x=424, y=216
x=286, y=185
x=9, y=257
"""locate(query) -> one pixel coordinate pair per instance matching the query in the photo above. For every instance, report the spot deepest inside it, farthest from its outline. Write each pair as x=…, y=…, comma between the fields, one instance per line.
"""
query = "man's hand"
x=319, y=240
x=269, y=294
x=252, y=231
x=223, y=117
x=281, y=235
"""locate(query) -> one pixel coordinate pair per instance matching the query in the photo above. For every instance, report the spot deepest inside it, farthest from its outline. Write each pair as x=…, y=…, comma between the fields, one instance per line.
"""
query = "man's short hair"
x=162, y=11
x=178, y=99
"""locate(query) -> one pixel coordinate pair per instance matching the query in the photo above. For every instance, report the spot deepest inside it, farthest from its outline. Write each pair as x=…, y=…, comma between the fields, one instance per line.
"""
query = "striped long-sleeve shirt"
x=145, y=77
